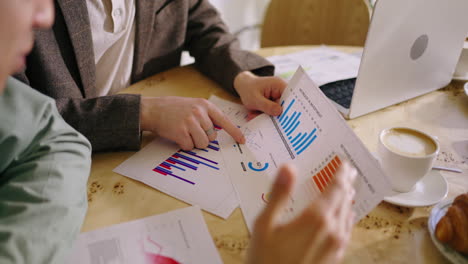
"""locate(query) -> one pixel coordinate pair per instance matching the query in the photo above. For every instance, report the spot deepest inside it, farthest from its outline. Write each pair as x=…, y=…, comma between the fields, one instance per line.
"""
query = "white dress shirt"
x=113, y=32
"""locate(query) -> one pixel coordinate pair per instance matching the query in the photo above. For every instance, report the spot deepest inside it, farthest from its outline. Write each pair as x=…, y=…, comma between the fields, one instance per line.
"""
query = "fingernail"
x=242, y=140
x=278, y=111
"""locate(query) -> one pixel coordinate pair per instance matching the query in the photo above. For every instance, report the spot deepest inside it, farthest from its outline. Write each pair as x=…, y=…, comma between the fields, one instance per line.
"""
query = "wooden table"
x=389, y=234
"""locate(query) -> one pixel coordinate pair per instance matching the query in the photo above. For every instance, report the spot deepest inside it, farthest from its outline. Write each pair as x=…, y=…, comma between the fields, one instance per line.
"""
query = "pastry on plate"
x=452, y=229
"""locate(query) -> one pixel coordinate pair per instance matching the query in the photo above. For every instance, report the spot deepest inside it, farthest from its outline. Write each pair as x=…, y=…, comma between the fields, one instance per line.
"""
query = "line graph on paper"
x=153, y=252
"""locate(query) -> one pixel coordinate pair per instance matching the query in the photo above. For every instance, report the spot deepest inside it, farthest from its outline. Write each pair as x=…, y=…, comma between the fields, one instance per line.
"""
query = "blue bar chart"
x=183, y=162
x=297, y=138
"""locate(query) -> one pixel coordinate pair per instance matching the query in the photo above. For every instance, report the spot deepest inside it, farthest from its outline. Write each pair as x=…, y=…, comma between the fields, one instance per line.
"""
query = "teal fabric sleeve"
x=44, y=167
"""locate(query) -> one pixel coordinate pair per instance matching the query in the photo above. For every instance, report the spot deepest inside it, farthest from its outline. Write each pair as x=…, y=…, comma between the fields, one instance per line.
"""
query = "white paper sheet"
x=237, y=113
x=197, y=177
x=313, y=136
x=180, y=236
x=323, y=65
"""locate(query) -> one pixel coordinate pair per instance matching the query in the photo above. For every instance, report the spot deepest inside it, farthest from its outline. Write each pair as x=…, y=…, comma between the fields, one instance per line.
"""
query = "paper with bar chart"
x=177, y=237
x=237, y=113
x=310, y=134
x=197, y=177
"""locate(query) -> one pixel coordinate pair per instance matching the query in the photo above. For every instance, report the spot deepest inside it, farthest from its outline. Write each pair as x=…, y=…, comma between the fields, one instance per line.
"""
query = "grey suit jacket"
x=62, y=66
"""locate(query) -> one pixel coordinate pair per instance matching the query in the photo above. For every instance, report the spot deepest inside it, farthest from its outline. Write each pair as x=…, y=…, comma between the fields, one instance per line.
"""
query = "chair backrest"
x=312, y=22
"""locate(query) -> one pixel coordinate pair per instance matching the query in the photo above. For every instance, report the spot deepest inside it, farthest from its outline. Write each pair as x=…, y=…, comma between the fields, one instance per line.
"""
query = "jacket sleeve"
x=108, y=122
x=43, y=197
x=217, y=52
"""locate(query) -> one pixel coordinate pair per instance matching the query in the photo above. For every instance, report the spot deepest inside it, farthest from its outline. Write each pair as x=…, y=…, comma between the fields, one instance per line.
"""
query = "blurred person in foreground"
x=44, y=163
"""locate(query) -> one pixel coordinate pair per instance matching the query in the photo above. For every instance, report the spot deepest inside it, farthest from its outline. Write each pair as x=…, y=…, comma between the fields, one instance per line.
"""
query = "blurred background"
x=244, y=19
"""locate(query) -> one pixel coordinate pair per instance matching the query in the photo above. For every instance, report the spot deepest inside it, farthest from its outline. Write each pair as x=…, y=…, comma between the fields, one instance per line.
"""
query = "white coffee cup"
x=406, y=155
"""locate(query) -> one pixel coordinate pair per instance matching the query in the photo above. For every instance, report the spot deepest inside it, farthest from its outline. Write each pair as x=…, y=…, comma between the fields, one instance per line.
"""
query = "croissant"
x=452, y=228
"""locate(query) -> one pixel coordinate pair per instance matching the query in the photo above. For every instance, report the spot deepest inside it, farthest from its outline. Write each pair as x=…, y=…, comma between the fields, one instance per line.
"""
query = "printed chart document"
x=323, y=65
x=198, y=177
x=313, y=136
x=179, y=236
x=237, y=113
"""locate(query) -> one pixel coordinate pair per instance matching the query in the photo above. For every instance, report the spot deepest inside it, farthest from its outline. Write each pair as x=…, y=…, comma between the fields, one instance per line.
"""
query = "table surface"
x=389, y=234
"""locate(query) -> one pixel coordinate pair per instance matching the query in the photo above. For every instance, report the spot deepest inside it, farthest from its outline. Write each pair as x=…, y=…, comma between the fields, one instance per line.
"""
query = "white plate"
x=428, y=191
x=436, y=214
x=466, y=88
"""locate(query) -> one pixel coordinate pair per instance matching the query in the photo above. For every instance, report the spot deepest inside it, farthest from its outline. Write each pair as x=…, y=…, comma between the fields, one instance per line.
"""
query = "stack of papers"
x=323, y=65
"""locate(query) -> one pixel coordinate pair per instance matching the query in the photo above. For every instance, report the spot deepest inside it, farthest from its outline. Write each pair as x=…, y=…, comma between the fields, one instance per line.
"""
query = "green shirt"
x=44, y=167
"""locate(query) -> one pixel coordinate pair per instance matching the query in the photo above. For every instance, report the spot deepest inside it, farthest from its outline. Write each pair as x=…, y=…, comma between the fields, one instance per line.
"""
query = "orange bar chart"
x=326, y=175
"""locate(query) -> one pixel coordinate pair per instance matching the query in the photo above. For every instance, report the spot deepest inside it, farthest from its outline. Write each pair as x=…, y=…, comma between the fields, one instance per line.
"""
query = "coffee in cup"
x=406, y=156
x=408, y=142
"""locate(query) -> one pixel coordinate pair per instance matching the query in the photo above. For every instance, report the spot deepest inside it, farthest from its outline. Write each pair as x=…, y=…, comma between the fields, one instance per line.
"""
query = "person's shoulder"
x=23, y=114
x=23, y=108
x=20, y=97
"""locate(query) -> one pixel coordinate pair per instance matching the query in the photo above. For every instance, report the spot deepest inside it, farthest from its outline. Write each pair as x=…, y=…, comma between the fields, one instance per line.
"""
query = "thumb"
x=279, y=196
x=269, y=107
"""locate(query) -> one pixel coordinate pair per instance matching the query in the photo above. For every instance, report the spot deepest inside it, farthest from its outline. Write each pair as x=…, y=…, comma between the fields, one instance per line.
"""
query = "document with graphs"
x=176, y=237
x=311, y=135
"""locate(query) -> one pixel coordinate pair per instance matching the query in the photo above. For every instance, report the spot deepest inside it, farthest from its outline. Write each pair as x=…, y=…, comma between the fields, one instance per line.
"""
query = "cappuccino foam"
x=409, y=142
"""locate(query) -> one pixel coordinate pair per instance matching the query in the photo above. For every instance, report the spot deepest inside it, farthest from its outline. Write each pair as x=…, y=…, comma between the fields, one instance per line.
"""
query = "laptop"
x=412, y=48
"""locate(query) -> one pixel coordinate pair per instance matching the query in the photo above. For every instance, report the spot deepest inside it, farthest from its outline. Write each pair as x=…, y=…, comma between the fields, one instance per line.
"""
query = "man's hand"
x=318, y=235
x=260, y=93
x=187, y=121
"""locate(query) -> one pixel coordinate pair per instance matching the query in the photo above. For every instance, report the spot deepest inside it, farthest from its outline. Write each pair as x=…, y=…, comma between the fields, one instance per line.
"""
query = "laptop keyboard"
x=340, y=91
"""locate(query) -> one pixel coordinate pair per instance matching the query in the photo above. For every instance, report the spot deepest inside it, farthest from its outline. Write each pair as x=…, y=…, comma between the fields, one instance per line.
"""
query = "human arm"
x=44, y=169
x=115, y=122
x=216, y=51
x=186, y=120
x=318, y=235
x=219, y=56
x=108, y=122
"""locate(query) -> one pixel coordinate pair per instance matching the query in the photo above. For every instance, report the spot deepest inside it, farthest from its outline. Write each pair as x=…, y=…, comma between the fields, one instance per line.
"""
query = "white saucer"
x=465, y=87
x=428, y=191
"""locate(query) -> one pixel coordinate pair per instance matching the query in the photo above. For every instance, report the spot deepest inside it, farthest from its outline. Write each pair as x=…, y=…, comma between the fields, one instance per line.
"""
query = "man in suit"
x=99, y=47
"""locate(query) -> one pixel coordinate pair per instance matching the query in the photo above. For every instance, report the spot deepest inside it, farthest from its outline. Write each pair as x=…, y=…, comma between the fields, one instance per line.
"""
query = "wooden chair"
x=312, y=22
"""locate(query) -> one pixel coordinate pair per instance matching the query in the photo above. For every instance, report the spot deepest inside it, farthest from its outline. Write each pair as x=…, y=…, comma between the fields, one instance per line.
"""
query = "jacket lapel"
x=145, y=15
x=75, y=13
